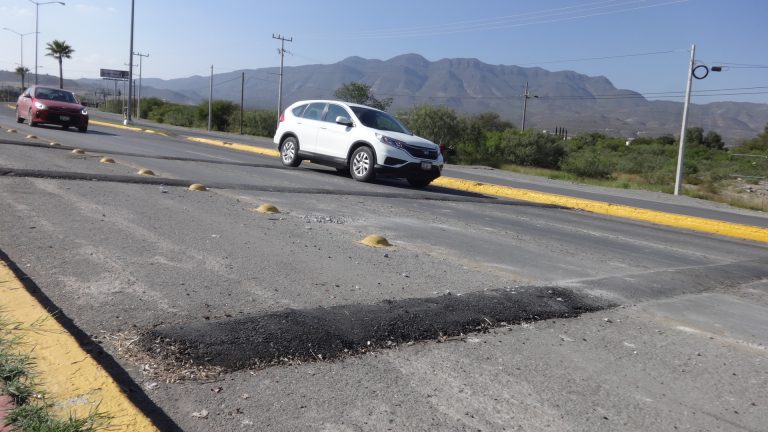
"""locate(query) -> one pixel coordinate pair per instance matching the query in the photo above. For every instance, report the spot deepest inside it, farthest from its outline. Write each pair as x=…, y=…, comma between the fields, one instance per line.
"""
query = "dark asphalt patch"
x=161, y=181
x=328, y=333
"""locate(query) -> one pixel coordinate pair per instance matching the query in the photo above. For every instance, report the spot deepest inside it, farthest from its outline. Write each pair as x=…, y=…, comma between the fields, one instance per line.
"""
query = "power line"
x=544, y=19
x=604, y=57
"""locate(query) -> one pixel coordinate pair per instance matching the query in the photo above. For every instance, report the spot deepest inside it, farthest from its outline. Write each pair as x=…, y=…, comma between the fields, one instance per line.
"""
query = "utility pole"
x=138, y=99
x=210, y=100
x=282, y=40
x=526, y=96
x=681, y=153
x=242, y=99
x=130, y=70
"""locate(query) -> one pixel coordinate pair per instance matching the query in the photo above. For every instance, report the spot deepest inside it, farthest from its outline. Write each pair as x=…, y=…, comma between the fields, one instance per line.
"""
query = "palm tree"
x=21, y=70
x=59, y=50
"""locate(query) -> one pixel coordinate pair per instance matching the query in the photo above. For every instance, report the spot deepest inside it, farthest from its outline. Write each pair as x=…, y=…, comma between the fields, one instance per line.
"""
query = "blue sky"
x=184, y=38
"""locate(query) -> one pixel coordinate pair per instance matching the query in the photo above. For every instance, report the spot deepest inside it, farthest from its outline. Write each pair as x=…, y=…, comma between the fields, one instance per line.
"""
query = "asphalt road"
x=622, y=325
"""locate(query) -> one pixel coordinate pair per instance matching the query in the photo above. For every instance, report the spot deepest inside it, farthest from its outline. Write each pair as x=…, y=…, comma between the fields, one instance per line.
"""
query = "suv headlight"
x=390, y=141
x=84, y=111
x=40, y=106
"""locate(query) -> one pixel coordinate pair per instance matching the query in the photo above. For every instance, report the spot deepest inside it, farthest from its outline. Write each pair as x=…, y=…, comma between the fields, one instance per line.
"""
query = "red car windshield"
x=55, y=95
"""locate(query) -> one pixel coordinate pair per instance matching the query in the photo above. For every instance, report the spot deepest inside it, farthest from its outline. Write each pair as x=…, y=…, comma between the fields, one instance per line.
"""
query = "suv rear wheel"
x=361, y=165
x=289, y=152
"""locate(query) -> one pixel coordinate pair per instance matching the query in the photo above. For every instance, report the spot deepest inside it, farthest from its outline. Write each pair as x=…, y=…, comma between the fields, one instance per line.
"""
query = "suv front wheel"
x=361, y=165
x=289, y=152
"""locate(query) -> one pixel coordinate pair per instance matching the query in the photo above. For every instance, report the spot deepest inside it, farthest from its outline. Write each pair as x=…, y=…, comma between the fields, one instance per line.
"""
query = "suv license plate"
x=64, y=118
x=426, y=166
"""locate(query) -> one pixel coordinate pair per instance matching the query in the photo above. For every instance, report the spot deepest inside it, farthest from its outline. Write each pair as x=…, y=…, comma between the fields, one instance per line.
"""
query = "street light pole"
x=37, y=26
x=681, y=152
x=21, y=38
x=138, y=98
x=130, y=70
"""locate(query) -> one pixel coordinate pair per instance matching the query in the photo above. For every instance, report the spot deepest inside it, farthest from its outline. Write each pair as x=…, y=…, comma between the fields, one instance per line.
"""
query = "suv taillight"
x=282, y=117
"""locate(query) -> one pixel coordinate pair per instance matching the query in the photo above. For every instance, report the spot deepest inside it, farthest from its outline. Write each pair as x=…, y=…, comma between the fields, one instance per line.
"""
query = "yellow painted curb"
x=711, y=226
x=132, y=128
x=73, y=381
x=236, y=146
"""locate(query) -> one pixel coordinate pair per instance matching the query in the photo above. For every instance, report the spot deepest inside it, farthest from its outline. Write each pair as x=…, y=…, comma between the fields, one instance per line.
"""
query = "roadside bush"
x=528, y=148
x=588, y=163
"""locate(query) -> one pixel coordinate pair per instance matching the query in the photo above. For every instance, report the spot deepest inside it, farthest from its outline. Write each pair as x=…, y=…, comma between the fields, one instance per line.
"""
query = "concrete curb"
x=74, y=382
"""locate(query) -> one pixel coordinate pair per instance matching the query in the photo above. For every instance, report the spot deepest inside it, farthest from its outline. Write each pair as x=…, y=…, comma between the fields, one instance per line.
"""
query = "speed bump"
x=107, y=160
x=266, y=209
x=78, y=152
x=145, y=172
x=54, y=144
x=375, y=240
x=31, y=136
x=197, y=187
x=12, y=131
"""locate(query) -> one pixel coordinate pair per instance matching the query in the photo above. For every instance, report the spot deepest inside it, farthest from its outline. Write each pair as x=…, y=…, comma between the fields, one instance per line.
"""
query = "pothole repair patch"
x=328, y=333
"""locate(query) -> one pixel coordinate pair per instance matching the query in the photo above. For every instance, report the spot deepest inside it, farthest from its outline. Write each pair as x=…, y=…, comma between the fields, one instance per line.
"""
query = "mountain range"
x=564, y=99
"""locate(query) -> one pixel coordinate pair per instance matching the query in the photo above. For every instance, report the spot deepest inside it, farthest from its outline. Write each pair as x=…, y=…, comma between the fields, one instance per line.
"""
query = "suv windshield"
x=378, y=120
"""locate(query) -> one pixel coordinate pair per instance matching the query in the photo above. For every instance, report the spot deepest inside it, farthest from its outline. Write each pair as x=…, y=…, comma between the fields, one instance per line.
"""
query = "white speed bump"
x=107, y=160
x=78, y=152
x=145, y=172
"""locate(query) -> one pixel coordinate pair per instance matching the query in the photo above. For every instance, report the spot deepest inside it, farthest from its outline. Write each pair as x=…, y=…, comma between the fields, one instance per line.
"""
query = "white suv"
x=355, y=138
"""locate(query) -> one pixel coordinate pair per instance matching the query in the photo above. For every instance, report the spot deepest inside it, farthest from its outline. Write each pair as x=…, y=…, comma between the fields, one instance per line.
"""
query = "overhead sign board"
x=114, y=74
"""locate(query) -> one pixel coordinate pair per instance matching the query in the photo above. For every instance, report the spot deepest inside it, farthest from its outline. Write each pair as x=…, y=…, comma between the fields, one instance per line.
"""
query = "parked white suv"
x=355, y=138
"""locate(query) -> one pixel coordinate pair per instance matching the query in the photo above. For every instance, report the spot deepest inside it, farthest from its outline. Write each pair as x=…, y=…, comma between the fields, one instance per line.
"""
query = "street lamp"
x=37, y=25
x=21, y=37
x=699, y=72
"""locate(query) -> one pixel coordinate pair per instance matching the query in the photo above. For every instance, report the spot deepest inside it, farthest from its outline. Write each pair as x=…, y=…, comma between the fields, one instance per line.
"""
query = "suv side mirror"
x=344, y=121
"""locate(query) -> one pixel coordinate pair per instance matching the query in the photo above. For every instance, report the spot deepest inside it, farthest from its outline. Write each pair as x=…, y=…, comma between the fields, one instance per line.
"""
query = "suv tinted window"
x=314, y=111
x=298, y=110
x=335, y=111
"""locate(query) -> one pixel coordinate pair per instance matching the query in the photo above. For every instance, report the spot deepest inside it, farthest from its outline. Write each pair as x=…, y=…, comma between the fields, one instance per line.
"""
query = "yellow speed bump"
x=197, y=187
x=12, y=131
x=693, y=223
x=107, y=160
x=145, y=172
x=78, y=152
x=375, y=240
x=31, y=136
x=266, y=209
x=75, y=384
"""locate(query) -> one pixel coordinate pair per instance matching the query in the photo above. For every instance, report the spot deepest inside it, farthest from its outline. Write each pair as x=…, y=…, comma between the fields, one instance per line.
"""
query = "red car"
x=46, y=105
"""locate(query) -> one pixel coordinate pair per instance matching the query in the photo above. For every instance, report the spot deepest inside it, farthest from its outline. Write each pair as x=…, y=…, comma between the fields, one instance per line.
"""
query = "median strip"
x=235, y=146
x=72, y=379
x=131, y=128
